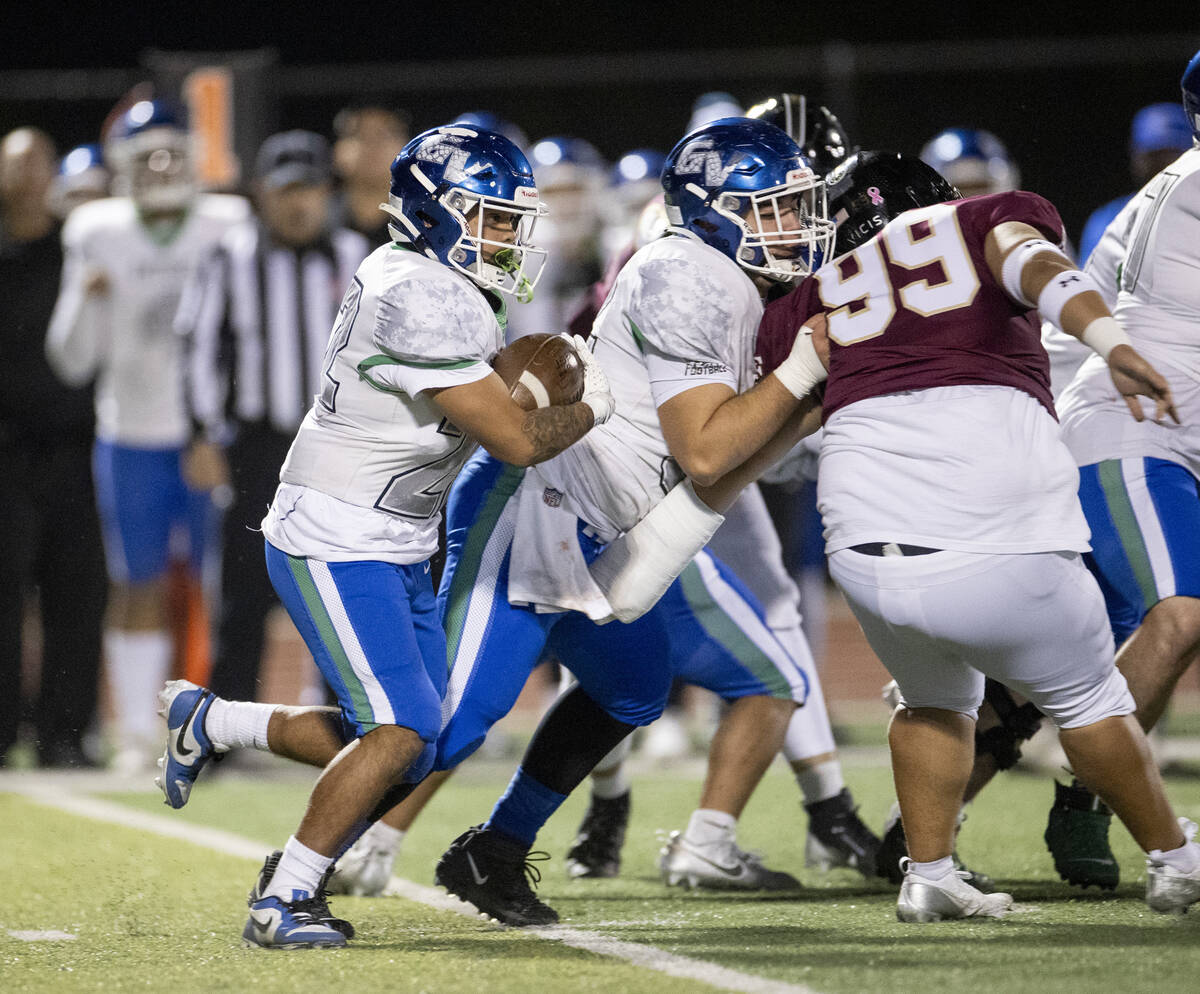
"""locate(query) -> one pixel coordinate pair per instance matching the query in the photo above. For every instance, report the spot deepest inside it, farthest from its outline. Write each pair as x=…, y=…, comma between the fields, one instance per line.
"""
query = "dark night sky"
x=1057, y=119
x=90, y=35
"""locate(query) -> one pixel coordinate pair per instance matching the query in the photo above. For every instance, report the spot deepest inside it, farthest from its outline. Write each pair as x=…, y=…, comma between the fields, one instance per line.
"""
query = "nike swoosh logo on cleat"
x=735, y=872
x=475, y=874
x=185, y=730
x=264, y=919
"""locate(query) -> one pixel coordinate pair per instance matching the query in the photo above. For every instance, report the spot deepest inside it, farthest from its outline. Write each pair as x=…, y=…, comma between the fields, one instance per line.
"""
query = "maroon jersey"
x=917, y=307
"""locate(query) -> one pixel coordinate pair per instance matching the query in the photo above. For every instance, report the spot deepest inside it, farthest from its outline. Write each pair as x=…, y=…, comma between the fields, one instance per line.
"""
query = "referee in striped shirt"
x=257, y=319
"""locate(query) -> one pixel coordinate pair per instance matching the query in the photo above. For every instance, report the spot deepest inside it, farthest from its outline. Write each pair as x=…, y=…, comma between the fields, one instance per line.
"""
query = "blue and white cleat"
x=276, y=924
x=185, y=706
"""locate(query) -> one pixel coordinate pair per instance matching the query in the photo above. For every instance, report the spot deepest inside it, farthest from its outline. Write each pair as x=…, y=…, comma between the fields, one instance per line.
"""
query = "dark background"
x=1057, y=82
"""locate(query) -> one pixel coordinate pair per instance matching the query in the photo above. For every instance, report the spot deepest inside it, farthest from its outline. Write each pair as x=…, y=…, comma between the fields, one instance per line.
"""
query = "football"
x=541, y=371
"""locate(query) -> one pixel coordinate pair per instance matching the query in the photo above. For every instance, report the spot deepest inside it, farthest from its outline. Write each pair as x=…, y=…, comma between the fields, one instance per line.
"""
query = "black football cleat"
x=596, y=851
x=495, y=873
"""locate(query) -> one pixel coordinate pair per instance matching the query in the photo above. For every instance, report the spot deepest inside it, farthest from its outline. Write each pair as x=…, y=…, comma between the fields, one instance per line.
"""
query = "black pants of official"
x=246, y=592
x=50, y=545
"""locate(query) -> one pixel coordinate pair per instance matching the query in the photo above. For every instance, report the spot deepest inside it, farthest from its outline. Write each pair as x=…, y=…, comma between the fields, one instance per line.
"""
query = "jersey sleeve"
x=781, y=322
x=685, y=323
x=79, y=331
x=982, y=214
x=431, y=334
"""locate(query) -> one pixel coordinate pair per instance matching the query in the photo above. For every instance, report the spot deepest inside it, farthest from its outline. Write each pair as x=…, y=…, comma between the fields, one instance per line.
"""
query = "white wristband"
x=1103, y=335
x=802, y=369
x=1014, y=266
x=1060, y=291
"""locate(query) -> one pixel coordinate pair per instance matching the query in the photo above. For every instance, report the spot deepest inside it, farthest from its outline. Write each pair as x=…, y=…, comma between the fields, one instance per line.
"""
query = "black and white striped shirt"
x=256, y=319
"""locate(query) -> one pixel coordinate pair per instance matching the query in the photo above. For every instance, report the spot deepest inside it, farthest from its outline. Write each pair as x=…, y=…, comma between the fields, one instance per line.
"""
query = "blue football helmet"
x=1160, y=127
x=973, y=160
x=744, y=187
x=451, y=187
x=639, y=165
x=1190, y=84
x=82, y=176
x=151, y=155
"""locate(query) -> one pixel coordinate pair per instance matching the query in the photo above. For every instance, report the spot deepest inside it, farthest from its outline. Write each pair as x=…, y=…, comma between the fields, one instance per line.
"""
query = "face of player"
x=295, y=214
x=499, y=228
x=159, y=167
x=785, y=219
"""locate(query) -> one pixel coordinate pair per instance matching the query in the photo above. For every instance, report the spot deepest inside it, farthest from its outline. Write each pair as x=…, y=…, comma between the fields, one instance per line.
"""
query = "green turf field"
x=153, y=913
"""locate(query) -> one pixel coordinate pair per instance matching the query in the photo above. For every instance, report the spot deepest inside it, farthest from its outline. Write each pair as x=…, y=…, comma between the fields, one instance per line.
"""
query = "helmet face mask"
x=466, y=198
x=743, y=187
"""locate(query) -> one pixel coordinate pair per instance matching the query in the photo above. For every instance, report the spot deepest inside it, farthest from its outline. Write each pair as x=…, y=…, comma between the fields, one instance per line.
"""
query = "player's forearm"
x=736, y=430
x=549, y=430
x=722, y=494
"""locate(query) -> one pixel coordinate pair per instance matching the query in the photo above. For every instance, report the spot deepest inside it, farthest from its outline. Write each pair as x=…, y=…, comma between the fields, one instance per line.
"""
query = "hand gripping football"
x=541, y=371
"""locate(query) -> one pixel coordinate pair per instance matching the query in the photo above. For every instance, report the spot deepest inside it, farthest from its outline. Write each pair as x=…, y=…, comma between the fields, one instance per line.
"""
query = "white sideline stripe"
x=217, y=839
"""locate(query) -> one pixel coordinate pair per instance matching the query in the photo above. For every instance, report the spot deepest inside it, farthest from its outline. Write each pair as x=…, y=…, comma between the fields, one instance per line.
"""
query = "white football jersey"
x=1067, y=353
x=1158, y=304
x=680, y=315
x=368, y=472
x=125, y=337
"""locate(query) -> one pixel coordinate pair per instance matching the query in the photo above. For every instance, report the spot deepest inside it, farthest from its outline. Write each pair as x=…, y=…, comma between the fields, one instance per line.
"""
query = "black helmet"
x=870, y=188
x=814, y=128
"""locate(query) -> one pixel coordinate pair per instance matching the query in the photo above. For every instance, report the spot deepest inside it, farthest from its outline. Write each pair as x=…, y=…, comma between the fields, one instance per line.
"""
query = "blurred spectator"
x=570, y=177
x=366, y=140
x=52, y=535
x=82, y=176
x=257, y=318
x=712, y=106
x=126, y=261
x=1158, y=135
x=633, y=183
x=974, y=160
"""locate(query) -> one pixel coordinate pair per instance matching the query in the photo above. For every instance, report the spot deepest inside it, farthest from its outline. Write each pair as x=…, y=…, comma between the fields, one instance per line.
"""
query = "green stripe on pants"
x=467, y=568
x=329, y=638
x=1120, y=507
x=724, y=630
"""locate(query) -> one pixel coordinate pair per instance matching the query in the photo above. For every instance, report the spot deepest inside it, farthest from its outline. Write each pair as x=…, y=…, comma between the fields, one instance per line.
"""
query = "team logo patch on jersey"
x=552, y=497
x=697, y=368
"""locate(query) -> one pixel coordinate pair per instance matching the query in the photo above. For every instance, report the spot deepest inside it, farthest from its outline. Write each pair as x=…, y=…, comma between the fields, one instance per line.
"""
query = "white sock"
x=238, y=724
x=138, y=663
x=932, y=871
x=1185, y=859
x=299, y=872
x=383, y=838
x=821, y=782
x=610, y=784
x=708, y=825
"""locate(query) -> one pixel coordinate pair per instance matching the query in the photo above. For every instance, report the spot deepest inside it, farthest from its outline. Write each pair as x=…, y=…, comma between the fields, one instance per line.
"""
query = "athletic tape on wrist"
x=1014, y=266
x=1063, y=288
x=802, y=369
x=1103, y=335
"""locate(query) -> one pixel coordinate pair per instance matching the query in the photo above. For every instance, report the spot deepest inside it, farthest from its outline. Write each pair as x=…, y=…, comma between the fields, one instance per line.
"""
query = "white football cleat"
x=925, y=900
x=1168, y=890
x=718, y=865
